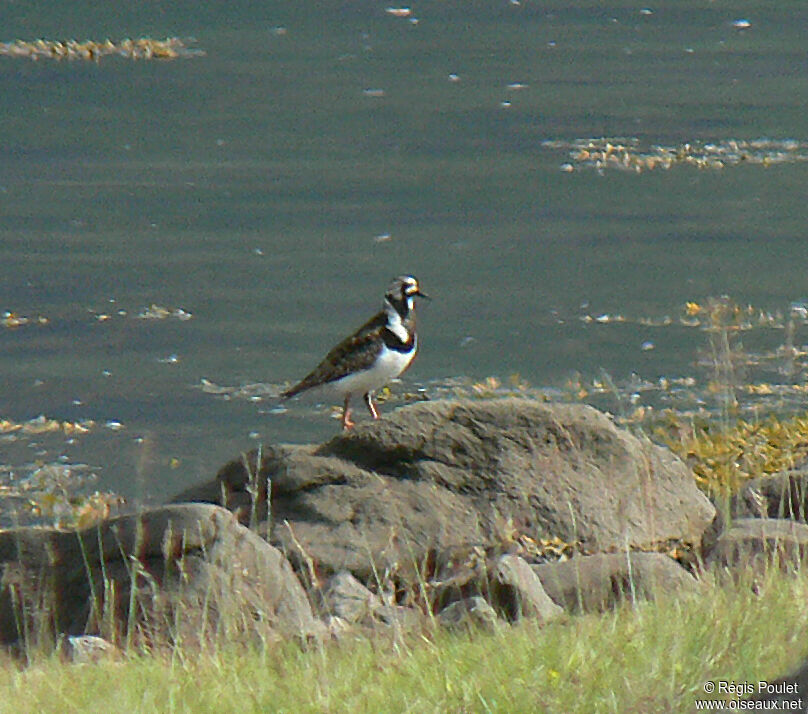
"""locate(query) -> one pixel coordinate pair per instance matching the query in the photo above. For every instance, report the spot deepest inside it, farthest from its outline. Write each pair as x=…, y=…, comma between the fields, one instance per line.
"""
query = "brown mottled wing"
x=357, y=352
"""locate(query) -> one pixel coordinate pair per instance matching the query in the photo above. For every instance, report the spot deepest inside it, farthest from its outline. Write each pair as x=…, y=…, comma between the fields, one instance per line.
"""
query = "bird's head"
x=403, y=289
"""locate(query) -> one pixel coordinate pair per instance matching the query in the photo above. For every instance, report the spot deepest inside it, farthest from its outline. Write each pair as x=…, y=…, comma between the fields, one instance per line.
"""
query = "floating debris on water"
x=488, y=387
x=44, y=425
x=141, y=48
x=10, y=319
x=603, y=319
x=210, y=388
x=799, y=309
x=629, y=154
x=157, y=312
x=724, y=313
x=398, y=11
x=254, y=392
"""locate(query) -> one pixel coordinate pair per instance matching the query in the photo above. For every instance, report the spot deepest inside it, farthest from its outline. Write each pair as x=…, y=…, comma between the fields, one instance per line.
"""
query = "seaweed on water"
x=141, y=48
x=629, y=154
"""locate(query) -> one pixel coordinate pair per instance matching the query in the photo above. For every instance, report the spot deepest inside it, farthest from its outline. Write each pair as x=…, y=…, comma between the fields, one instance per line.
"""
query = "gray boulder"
x=87, y=649
x=345, y=597
x=345, y=602
x=756, y=543
x=472, y=612
x=596, y=583
x=519, y=590
x=388, y=495
x=183, y=571
x=506, y=582
x=780, y=495
x=400, y=618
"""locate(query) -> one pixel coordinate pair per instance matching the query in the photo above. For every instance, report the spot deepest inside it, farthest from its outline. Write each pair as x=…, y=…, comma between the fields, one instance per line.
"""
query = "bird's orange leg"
x=346, y=413
x=371, y=406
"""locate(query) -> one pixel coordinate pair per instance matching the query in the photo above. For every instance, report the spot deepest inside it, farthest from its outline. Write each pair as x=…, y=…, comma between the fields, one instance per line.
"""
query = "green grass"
x=652, y=657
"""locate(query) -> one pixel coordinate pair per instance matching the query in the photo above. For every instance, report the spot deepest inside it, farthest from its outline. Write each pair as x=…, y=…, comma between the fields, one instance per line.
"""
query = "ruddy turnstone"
x=377, y=352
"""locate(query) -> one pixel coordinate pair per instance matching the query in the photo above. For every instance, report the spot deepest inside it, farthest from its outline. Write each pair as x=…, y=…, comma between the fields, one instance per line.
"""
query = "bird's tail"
x=292, y=391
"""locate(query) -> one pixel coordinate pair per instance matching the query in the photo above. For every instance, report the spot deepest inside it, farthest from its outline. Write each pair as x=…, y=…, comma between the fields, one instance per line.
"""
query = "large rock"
x=753, y=544
x=87, y=649
x=515, y=584
x=596, y=583
x=506, y=582
x=780, y=495
x=195, y=570
x=345, y=597
x=387, y=495
x=472, y=612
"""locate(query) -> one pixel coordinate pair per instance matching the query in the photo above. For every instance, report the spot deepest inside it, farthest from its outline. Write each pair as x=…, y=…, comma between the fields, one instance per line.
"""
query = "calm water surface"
x=271, y=188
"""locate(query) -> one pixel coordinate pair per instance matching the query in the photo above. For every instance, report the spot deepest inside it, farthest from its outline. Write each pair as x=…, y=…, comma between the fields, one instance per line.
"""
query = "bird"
x=377, y=352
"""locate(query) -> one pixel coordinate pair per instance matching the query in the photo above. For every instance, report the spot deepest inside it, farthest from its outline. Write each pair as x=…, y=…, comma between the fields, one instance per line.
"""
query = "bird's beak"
x=423, y=295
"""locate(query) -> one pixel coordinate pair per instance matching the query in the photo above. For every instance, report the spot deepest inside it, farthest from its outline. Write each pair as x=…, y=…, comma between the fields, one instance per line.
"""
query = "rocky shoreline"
x=467, y=512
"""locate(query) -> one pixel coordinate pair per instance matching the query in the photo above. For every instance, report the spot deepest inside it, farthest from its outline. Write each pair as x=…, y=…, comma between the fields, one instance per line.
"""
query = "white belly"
x=388, y=366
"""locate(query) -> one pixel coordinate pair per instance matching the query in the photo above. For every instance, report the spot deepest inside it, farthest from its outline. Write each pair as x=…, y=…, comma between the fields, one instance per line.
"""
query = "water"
x=271, y=188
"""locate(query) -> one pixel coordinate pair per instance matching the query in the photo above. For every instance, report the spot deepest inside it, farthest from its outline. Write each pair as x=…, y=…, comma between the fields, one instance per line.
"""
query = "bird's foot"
x=374, y=412
x=347, y=423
